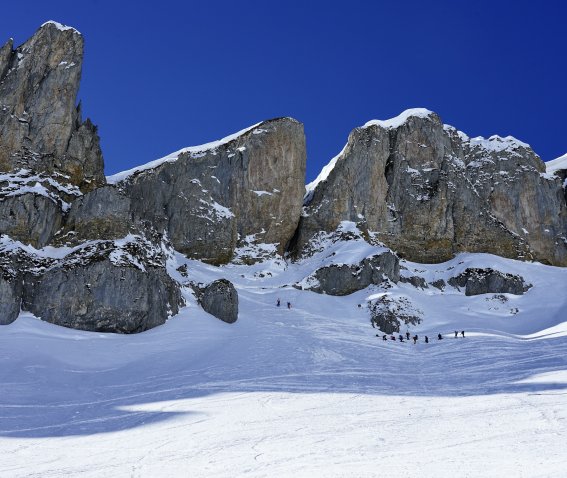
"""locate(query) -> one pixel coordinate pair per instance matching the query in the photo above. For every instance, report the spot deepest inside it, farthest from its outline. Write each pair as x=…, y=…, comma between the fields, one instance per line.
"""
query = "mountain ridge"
x=425, y=190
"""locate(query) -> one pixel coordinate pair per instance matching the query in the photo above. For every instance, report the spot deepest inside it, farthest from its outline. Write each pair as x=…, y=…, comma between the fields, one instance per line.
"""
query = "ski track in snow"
x=303, y=392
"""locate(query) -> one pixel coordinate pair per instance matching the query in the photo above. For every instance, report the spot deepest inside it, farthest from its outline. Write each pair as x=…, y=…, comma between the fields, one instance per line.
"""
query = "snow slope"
x=309, y=391
x=556, y=164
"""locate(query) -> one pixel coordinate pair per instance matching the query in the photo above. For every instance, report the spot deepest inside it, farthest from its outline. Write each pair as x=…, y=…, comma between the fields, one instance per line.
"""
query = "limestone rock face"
x=220, y=299
x=40, y=124
x=520, y=195
x=32, y=206
x=428, y=191
x=11, y=287
x=100, y=214
x=15, y=263
x=10, y=298
x=110, y=286
x=242, y=190
x=345, y=279
x=489, y=281
x=30, y=218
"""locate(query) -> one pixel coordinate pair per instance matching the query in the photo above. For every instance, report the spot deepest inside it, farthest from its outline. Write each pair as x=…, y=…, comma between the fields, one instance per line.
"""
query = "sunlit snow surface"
x=303, y=392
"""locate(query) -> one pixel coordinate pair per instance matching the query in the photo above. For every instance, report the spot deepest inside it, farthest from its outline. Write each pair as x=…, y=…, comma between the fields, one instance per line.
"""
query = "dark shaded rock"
x=100, y=214
x=183, y=270
x=32, y=205
x=11, y=287
x=40, y=125
x=220, y=299
x=10, y=298
x=439, y=284
x=389, y=313
x=30, y=218
x=109, y=286
x=14, y=263
x=488, y=281
x=345, y=279
x=416, y=281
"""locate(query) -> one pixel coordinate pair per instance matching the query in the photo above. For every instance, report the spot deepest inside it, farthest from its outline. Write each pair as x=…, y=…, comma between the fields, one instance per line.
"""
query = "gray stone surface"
x=30, y=218
x=246, y=191
x=439, y=284
x=10, y=298
x=424, y=189
x=32, y=206
x=14, y=263
x=220, y=299
x=489, y=281
x=428, y=192
x=100, y=214
x=388, y=314
x=105, y=286
x=40, y=125
x=345, y=279
x=418, y=282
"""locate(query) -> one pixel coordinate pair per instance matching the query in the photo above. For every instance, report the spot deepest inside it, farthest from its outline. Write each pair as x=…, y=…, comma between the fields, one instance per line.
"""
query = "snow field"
x=309, y=391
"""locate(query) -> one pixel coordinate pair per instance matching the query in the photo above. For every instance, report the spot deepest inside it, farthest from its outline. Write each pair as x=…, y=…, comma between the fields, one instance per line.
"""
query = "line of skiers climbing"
x=415, y=338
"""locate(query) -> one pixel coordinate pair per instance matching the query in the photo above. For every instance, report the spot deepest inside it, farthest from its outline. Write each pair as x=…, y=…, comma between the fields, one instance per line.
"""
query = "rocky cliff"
x=50, y=158
x=242, y=191
x=89, y=252
x=429, y=191
x=40, y=123
x=238, y=198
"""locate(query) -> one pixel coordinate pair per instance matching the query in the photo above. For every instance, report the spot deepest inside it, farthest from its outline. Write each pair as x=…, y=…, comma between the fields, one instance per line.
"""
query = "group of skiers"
x=415, y=338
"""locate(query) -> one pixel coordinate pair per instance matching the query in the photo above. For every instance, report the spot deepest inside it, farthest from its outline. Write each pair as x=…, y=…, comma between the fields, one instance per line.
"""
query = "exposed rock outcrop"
x=106, y=286
x=40, y=123
x=389, y=313
x=242, y=190
x=416, y=281
x=489, y=281
x=220, y=298
x=11, y=286
x=16, y=260
x=10, y=298
x=428, y=191
x=344, y=279
x=100, y=214
x=32, y=206
x=425, y=190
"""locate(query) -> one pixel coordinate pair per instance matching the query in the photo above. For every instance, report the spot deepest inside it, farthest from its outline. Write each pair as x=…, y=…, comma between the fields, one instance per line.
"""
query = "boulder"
x=105, y=286
x=220, y=299
x=489, y=281
x=439, y=284
x=344, y=279
x=416, y=281
x=389, y=313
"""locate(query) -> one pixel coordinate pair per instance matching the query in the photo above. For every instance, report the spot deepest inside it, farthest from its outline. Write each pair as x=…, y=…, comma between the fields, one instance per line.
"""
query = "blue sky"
x=159, y=76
